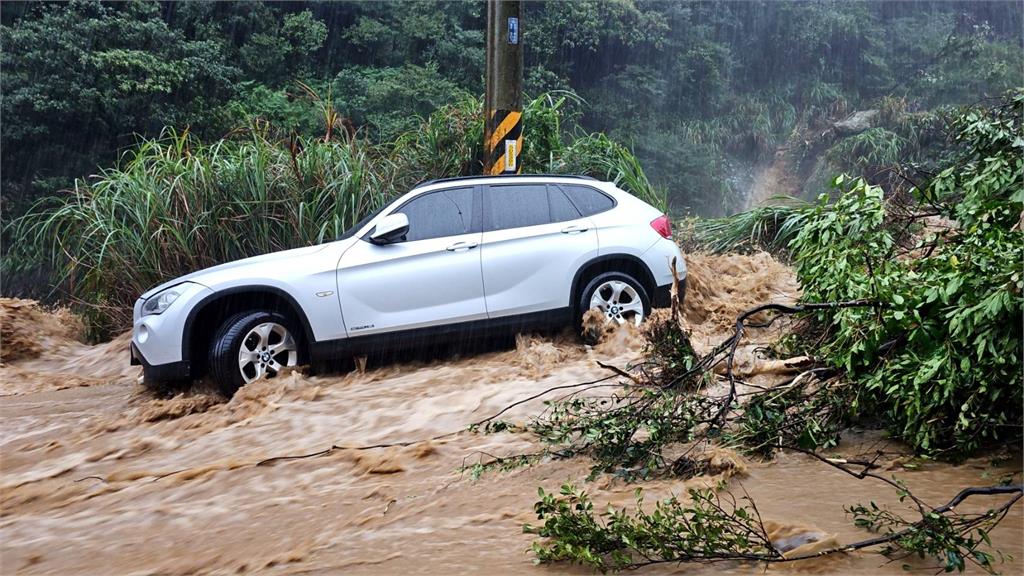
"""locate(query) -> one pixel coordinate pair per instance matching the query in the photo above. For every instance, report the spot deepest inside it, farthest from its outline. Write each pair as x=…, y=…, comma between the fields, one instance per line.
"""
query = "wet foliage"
x=769, y=228
x=705, y=526
x=714, y=526
x=701, y=92
x=954, y=541
x=805, y=413
x=942, y=359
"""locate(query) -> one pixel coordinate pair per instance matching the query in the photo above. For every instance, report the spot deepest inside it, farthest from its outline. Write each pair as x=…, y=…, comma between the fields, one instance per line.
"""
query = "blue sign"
x=513, y=30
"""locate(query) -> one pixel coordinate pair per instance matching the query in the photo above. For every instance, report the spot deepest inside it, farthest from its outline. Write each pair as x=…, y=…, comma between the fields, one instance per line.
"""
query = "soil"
x=98, y=476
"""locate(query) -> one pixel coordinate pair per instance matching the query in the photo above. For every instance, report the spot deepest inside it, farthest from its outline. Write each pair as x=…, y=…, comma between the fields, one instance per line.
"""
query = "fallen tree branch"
x=733, y=532
x=731, y=344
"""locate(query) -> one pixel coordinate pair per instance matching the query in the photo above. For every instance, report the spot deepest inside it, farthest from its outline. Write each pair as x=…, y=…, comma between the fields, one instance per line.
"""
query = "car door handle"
x=574, y=229
x=461, y=246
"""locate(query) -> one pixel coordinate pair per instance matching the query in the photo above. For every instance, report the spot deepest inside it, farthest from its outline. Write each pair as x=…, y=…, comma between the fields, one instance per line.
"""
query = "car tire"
x=269, y=352
x=625, y=297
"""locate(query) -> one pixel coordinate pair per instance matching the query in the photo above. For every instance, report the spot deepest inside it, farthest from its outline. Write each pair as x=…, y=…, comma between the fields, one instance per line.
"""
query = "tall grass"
x=873, y=147
x=175, y=204
x=769, y=228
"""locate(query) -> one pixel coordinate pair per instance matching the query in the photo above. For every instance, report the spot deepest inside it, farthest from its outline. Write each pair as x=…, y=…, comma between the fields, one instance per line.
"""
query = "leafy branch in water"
x=710, y=526
x=632, y=432
x=807, y=412
x=953, y=539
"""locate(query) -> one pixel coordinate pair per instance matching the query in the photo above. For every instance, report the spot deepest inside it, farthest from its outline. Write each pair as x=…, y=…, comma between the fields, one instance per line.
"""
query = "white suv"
x=461, y=257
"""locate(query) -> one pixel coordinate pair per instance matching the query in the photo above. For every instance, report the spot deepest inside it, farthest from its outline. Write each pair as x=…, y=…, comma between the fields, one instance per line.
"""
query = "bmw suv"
x=452, y=258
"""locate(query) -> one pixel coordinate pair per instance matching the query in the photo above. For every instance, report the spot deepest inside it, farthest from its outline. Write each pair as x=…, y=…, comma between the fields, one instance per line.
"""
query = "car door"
x=431, y=278
x=533, y=242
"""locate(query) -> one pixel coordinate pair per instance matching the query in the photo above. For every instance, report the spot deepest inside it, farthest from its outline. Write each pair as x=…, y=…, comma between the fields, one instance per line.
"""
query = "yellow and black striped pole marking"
x=505, y=142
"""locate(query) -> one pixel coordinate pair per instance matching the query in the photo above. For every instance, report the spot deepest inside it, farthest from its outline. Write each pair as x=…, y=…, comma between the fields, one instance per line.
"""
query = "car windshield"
x=358, y=225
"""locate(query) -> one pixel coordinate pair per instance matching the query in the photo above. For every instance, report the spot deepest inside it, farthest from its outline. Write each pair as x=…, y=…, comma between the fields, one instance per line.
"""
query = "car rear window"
x=518, y=205
x=561, y=209
x=588, y=200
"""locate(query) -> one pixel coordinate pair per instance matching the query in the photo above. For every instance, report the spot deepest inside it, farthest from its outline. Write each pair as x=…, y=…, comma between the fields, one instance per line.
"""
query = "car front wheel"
x=249, y=346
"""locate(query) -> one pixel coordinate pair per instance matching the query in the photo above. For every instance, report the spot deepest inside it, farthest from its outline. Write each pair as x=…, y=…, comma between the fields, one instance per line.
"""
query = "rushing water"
x=99, y=477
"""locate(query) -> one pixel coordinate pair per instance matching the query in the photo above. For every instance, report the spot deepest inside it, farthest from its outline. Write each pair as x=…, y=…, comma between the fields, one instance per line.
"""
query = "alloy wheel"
x=265, y=350
x=619, y=301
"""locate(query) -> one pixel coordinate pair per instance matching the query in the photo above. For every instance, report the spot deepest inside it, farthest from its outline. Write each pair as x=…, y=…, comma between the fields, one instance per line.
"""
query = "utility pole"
x=503, y=103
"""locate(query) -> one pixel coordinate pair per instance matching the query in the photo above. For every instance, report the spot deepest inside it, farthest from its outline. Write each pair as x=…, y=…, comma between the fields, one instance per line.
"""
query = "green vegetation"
x=911, y=306
x=768, y=228
x=699, y=91
x=873, y=147
x=711, y=526
x=705, y=528
x=942, y=359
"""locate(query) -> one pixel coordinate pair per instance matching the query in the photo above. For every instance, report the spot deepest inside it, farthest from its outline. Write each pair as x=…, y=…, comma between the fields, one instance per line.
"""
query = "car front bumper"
x=157, y=339
x=169, y=372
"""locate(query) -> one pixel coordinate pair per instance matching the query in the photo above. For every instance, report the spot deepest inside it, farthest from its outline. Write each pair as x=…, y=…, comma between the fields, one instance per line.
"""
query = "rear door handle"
x=461, y=246
x=574, y=229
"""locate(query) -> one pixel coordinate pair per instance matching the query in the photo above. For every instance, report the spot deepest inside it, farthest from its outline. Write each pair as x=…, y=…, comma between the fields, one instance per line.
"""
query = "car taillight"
x=662, y=225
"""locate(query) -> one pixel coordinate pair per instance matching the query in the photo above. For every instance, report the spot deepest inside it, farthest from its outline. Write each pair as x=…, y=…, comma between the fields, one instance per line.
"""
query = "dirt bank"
x=107, y=479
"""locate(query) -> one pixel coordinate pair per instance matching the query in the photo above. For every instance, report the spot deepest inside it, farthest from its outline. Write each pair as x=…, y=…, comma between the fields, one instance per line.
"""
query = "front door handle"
x=574, y=229
x=461, y=246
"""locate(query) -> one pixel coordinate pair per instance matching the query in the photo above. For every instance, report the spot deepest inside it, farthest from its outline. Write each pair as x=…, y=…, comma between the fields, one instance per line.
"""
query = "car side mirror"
x=390, y=229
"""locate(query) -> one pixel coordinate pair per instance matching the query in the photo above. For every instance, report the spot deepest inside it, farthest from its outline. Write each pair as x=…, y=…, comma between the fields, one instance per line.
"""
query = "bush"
x=942, y=359
x=873, y=147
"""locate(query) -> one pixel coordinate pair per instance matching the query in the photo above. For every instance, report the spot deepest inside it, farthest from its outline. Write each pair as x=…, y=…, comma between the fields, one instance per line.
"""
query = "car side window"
x=561, y=209
x=439, y=214
x=517, y=205
x=588, y=200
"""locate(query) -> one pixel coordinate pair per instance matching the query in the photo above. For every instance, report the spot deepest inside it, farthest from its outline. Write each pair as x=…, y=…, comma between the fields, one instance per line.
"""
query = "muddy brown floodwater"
x=98, y=477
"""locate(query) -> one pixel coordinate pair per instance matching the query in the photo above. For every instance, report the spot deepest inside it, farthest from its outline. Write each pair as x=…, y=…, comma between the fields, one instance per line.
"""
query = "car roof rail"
x=479, y=177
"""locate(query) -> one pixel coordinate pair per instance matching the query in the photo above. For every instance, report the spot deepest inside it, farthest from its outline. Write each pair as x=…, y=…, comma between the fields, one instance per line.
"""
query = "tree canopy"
x=701, y=91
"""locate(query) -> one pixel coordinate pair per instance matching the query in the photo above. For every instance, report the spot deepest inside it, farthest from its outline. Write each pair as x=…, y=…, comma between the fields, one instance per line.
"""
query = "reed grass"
x=769, y=228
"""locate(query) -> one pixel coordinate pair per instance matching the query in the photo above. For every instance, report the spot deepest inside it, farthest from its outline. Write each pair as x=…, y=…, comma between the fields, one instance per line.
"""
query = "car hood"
x=208, y=276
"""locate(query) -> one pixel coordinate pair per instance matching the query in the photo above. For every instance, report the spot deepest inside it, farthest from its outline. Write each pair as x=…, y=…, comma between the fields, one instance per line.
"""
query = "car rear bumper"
x=660, y=258
x=662, y=297
x=172, y=371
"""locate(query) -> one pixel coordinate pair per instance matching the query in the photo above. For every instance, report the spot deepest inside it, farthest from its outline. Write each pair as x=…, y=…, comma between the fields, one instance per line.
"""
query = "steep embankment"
x=106, y=478
x=800, y=167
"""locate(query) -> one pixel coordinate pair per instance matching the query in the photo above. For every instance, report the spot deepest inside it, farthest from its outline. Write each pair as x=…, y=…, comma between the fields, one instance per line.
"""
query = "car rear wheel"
x=249, y=346
x=620, y=297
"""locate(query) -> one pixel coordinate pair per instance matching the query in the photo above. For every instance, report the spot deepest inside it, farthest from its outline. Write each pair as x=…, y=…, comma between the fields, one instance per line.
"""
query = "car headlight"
x=160, y=302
